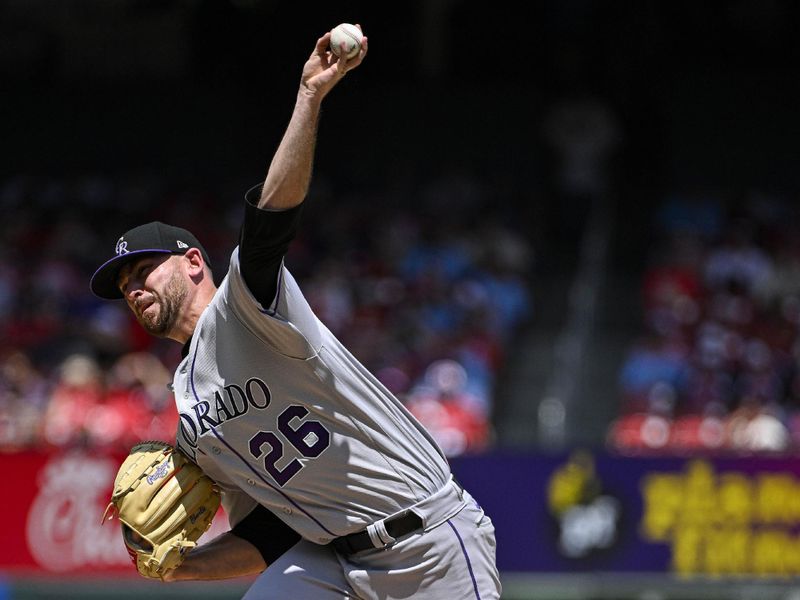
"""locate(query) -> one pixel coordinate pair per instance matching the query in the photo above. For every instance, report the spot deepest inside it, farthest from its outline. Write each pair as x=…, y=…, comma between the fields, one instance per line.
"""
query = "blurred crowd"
x=717, y=365
x=429, y=300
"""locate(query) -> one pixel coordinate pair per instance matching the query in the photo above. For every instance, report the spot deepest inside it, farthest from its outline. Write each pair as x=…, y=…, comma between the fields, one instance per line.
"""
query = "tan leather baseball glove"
x=165, y=503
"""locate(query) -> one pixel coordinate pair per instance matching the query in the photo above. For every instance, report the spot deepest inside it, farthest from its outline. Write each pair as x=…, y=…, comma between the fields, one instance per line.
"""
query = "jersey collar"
x=186, y=346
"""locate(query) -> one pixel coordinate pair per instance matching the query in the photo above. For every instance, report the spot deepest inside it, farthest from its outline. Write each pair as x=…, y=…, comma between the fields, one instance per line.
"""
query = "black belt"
x=396, y=527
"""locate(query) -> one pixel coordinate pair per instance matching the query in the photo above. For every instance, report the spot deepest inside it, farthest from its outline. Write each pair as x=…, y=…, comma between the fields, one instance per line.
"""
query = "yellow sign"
x=728, y=523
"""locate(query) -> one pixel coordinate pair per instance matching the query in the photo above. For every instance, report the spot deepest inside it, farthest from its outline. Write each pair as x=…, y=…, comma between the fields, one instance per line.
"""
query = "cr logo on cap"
x=122, y=246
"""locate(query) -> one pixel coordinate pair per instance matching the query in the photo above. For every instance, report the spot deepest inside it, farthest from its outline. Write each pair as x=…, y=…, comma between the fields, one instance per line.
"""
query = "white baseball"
x=350, y=35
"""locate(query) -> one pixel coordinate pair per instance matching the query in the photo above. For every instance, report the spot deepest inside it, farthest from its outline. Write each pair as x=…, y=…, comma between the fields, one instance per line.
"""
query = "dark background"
x=706, y=92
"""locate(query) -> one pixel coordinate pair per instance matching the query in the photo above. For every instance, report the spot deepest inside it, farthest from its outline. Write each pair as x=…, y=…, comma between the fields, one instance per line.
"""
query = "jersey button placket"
x=186, y=389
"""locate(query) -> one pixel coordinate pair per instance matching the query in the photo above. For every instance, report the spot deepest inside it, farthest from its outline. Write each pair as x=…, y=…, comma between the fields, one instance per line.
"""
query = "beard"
x=161, y=322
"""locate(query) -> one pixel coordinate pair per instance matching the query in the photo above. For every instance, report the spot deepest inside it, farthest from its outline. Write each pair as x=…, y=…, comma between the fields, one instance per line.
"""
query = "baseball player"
x=332, y=489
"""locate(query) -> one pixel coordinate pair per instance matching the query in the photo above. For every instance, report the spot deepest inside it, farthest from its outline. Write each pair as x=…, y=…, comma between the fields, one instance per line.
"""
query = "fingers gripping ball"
x=350, y=35
x=165, y=503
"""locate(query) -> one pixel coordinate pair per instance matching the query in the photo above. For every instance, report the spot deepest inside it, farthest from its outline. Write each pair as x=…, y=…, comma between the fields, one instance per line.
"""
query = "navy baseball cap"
x=151, y=238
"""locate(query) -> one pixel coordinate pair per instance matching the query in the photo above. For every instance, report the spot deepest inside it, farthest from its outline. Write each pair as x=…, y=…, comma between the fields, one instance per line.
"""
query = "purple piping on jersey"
x=466, y=556
x=247, y=464
x=278, y=291
x=271, y=311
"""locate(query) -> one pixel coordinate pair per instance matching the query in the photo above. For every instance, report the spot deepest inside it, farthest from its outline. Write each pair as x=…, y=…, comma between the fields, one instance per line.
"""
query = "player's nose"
x=132, y=292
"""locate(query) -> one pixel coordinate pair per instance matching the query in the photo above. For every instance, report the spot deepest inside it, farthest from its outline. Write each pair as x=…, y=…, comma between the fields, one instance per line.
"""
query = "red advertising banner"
x=53, y=515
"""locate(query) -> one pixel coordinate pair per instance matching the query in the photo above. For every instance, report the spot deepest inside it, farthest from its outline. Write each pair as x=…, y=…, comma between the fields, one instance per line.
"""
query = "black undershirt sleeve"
x=263, y=242
x=271, y=536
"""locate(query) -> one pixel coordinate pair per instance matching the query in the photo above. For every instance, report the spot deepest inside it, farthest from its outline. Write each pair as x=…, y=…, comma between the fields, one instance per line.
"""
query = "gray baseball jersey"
x=278, y=412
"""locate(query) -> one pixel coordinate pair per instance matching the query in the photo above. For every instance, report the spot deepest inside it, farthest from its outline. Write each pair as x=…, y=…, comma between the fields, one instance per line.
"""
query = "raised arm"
x=289, y=173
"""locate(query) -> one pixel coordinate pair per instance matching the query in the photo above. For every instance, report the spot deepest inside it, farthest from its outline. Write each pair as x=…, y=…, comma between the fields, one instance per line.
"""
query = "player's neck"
x=194, y=307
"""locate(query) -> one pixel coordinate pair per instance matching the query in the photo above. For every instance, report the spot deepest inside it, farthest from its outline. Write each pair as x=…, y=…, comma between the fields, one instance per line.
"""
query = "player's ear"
x=194, y=261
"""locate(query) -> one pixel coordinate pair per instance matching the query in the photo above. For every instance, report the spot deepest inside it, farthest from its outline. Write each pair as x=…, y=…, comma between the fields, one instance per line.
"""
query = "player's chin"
x=153, y=325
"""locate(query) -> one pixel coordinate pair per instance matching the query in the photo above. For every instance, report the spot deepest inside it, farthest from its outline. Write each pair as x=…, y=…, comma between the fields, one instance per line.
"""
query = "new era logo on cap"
x=152, y=238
